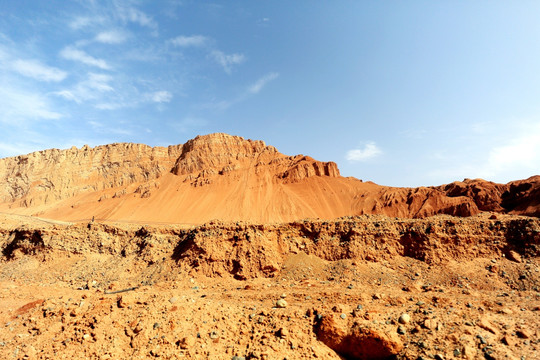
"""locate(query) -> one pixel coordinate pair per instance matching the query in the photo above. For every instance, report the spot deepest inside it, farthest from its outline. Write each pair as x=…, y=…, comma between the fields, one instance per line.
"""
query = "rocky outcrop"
x=246, y=251
x=220, y=153
x=520, y=197
x=359, y=341
x=51, y=175
x=220, y=176
x=212, y=155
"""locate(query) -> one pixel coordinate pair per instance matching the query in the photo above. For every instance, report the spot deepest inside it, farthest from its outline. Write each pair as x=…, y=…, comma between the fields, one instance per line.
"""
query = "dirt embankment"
x=249, y=250
x=368, y=287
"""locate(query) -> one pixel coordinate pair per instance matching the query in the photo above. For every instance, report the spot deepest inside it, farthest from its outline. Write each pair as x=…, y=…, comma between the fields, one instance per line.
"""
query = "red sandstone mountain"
x=226, y=177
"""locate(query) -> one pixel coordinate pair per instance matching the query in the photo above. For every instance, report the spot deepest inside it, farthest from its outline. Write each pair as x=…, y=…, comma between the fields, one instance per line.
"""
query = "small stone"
x=283, y=333
x=507, y=340
x=343, y=316
x=401, y=330
x=186, y=342
x=281, y=304
x=482, y=340
x=469, y=352
x=430, y=324
x=523, y=334
x=173, y=299
x=138, y=329
x=514, y=256
x=359, y=307
x=487, y=325
x=238, y=358
x=404, y=318
x=122, y=303
x=439, y=357
x=86, y=336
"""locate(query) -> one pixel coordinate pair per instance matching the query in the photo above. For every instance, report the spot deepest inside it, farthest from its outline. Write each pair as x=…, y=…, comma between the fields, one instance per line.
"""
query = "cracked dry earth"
x=368, y=287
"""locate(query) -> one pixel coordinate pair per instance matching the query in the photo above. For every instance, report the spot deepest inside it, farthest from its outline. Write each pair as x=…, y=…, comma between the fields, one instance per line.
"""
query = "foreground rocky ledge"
x=440, y=287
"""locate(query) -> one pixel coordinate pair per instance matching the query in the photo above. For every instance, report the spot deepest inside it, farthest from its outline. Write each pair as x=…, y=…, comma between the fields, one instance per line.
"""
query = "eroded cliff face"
x=51, y=175
x=220, y=176
x=245, y=250
x=520, y=197
x=210, y=156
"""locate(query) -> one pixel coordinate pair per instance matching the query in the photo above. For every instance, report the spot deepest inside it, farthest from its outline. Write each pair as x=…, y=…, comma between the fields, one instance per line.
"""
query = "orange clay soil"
x=368, y=287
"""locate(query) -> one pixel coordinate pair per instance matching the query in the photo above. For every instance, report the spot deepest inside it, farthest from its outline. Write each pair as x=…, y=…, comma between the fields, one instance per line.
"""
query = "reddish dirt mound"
x=226, y=177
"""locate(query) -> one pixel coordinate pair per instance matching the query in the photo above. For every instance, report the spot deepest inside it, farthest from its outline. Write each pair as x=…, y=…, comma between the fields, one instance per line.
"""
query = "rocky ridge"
x=219, y=176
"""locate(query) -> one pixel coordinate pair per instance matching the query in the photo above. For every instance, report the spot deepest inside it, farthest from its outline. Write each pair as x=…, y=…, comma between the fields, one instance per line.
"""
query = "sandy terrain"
x=199, y=251
x=212, y=291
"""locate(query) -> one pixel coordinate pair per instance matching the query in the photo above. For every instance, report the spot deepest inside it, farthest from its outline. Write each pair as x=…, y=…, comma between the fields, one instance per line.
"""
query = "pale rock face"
x=51, y=175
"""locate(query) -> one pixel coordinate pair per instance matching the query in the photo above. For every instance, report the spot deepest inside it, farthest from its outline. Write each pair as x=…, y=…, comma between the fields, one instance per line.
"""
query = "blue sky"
x=400, y=93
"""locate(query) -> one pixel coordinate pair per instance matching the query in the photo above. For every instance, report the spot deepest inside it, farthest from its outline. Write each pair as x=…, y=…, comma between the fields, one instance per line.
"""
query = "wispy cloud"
x=187, y=41
x=227, y=60
x=36, y=70
x=81, y=22
x=90, y=88
x=369, y=151
x=103, y=128
x=520, y=154
x=259, y=84
x=21, y=105
x=71, y=53
x=161, y=96
x=111, y=37
x=130, y=14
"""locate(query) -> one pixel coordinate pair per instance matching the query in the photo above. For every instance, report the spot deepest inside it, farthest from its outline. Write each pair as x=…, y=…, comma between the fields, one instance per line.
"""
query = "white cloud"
x=110, y=106
x=85, y=21
x=102, y=128
x=70, y=53
x=20, y=105
x=520, y=155
x=369, y=151
x=34, y=69
x=227, y=61
x=129, y=14
x=91, y=88
x=99, y=82
x=259, y=84
x=161, y=96
x=111, y=37
x=186, y=41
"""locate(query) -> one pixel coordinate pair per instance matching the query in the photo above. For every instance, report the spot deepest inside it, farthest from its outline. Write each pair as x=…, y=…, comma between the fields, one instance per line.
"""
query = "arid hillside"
x=226, y=177
x=357, y=288
x=205, y=250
